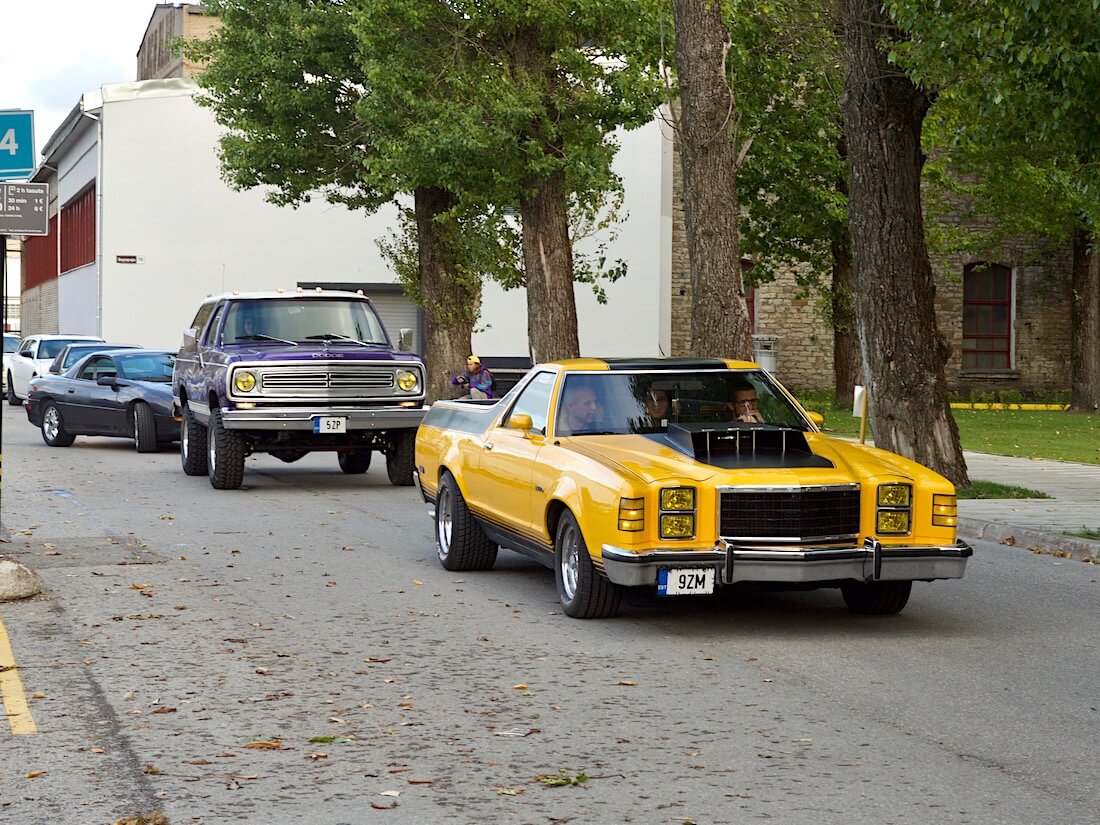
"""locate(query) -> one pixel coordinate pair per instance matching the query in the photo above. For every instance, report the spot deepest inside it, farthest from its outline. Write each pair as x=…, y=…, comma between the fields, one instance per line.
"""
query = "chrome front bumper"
x=266, y=418
x=871, y=562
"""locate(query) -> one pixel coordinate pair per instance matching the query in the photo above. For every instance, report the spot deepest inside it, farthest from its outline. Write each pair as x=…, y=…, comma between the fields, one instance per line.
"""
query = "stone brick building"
x=169, y=24
x=1006, y=318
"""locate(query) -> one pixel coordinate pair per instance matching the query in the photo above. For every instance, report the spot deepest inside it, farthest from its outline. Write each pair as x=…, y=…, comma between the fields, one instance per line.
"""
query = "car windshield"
x=146, y=366
x=50, y=349
x=336, y=321
x=647, y=402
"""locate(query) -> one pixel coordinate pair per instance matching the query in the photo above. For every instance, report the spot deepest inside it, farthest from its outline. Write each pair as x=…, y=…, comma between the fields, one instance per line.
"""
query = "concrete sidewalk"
x=1038, y=523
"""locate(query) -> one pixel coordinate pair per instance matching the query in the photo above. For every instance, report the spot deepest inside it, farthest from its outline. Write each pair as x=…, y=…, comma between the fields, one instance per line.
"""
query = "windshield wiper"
x=333, y=336
x=259, y=336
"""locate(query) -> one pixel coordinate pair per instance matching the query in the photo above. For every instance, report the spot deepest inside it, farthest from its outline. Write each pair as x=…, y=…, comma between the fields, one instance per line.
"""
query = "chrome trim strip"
x=381, y=418
x=784, y=488
x=872, y=562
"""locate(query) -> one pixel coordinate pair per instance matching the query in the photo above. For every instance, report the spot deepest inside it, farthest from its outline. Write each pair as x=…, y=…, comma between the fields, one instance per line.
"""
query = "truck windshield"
x=297, y=320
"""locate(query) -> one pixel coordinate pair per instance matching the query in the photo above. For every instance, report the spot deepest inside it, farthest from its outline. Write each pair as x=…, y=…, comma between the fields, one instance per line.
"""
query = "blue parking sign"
x=16, y=143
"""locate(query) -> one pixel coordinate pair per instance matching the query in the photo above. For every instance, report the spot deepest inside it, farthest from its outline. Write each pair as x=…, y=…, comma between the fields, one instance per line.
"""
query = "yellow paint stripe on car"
x=11, y=689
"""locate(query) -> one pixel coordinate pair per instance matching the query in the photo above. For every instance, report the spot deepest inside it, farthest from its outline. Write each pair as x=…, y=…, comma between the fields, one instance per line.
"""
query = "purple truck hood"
x=314, y=353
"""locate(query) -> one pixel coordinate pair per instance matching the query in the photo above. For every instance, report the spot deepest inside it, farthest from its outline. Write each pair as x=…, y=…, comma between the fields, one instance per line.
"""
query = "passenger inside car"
x=581, y=410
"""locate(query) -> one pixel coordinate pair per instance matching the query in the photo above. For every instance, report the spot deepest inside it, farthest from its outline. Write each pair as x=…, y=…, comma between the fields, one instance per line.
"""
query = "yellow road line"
x=11, y=689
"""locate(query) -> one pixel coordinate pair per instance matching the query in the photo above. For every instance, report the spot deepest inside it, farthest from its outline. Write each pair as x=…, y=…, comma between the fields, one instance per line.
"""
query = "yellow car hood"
x=651, y=460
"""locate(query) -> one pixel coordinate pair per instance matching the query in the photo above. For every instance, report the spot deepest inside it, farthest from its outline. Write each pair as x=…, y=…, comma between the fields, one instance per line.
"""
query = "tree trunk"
x=846, y=362
x=548, y=264
x=451, y=303
x=708, y=157
x=902, y=350
x=1085, y=325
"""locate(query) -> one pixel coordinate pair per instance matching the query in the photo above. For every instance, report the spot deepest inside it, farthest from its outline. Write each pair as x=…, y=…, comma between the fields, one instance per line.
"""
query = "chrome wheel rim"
x=570, y=562
x=443, y=522
x=51, y=423
x=212, y=453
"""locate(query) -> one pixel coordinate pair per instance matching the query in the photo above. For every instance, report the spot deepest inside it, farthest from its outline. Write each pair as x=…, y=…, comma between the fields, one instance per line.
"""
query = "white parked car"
x=33, y=358
x=11, y=344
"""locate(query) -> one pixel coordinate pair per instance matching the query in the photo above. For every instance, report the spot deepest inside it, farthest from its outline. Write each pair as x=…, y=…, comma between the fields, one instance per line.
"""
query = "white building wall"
x=162, y=204
x=162, y=201
x=635, y=321
x=77, y=300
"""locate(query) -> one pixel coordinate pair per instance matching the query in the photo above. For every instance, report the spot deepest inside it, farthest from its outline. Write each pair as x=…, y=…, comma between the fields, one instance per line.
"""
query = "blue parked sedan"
x=125, y=393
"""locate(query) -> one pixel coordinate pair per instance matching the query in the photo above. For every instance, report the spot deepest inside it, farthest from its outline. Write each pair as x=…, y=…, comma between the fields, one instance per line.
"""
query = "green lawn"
x=1027, y=433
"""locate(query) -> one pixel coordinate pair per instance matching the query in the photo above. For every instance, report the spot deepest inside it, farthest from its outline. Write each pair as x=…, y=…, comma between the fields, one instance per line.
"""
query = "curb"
x=1080, y=549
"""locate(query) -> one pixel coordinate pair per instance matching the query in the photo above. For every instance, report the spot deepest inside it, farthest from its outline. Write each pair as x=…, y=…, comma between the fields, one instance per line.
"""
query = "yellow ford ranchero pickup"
x=685, y=475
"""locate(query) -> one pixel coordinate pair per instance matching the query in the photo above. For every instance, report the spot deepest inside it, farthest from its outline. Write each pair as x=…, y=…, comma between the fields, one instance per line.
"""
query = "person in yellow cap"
x=477, y=380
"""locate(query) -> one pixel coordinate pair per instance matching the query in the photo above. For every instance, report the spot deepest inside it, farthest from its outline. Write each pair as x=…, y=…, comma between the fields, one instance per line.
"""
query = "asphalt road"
x=293, y=652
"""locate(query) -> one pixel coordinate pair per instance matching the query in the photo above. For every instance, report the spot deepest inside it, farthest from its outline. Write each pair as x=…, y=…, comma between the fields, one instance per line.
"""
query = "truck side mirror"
x=404, y=340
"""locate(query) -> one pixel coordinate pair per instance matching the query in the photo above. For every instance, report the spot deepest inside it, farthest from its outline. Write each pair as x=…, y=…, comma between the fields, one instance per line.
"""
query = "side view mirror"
x=405, y=340
x=520, y=421
x=107, y=381
x=816, y=417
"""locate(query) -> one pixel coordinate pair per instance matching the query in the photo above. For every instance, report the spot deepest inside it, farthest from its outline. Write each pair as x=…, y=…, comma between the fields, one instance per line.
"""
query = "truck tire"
x=460, y=543
x=400, y=457
x=354, y=462
x=225, y=454
x=192, y=444
x=145, y=428
x=876, y=598
x=13, y=399
x=584, y=592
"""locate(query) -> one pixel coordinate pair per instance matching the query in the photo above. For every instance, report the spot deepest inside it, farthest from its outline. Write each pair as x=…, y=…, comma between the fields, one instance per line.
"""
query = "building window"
x=78, y=231
x=987, y=317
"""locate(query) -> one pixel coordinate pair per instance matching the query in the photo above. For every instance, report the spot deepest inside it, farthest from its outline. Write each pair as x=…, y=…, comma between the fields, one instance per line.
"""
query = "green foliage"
x=786, y=74
x=562, y=779
x=993, y=489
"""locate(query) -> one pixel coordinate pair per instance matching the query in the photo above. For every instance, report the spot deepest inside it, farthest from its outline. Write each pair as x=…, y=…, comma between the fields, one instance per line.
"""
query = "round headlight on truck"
x=244, y=381
x=407, y=381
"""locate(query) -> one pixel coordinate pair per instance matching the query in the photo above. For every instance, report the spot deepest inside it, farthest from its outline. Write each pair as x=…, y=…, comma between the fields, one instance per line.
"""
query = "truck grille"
x=790, y=514
x=336, y=382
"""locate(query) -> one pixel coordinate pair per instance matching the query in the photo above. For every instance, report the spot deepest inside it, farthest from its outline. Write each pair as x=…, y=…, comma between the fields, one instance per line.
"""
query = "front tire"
x=354, y=462
x=876, y=598
x=145, y=428
x=192, y=444
x=400, y=457
x=583, y=591
x=224, y=454
x=460, y=542
x=53, y=427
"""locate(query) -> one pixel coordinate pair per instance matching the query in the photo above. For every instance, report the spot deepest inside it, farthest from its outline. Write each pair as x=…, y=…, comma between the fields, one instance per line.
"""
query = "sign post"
x=16, y=143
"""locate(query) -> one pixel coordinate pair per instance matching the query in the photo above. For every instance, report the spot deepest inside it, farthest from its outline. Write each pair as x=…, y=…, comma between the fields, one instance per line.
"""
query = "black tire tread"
x=401, y=457
x=194, y=459
x=597, y=597
x=145, y=428
x=228, y=470
x=876, y=598
x=470, y=548
x=354, y=462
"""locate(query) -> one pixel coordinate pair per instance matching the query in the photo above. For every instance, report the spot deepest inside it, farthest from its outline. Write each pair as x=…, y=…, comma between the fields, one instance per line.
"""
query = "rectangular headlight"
x=945, y=510
x=632, y=514
x=892, y=522
x=895, y=495
x=678, y=498
x=675, y=526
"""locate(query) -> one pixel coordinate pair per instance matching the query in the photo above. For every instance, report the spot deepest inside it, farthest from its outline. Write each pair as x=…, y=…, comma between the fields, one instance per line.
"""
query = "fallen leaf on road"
x=140, y=586
x=374, y=660
x=390, y=793
x=421, y=781
x=265, y=745
x=384, y=806
x=164, y=709
x=626, y=683
x=510, y=791
x=98, y=750
x=36, y=774
x=316, y=756
x=150, y=769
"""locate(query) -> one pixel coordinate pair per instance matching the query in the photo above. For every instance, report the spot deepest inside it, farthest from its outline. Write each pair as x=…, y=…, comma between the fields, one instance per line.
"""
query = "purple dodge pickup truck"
x=289, y=373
